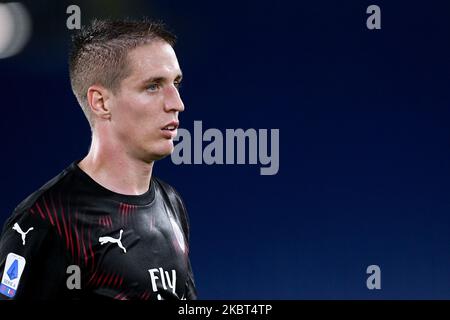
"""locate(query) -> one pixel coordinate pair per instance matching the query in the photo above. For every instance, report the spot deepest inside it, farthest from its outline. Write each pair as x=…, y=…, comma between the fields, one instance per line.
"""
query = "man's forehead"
x=156, y=59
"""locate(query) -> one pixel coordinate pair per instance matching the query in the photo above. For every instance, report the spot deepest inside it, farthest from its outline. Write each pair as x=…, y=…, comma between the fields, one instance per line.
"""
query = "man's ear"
x=97, y=97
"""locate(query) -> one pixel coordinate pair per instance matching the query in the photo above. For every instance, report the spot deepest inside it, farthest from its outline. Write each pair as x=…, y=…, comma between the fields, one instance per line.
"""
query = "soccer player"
x=106, y=227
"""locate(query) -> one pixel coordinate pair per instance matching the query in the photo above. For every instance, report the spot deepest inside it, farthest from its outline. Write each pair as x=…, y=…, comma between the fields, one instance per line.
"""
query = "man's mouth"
x=171, y=126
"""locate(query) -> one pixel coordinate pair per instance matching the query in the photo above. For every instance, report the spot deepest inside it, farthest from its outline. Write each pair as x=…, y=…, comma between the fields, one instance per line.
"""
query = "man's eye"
x=153, y=87
x=177, y=85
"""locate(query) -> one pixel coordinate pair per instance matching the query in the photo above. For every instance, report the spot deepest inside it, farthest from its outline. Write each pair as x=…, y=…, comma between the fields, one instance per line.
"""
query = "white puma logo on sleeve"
x=19, y=230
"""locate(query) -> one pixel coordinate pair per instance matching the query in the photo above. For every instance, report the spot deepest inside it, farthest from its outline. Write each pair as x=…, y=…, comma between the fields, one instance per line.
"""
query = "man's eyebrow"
x=161, y=79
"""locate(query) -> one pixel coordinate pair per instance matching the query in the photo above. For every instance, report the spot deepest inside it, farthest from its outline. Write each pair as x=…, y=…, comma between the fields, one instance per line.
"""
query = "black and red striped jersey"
x=75, y=239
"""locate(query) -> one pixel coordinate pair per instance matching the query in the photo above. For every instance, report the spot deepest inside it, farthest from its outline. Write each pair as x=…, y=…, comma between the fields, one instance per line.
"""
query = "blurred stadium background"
x=364, y=127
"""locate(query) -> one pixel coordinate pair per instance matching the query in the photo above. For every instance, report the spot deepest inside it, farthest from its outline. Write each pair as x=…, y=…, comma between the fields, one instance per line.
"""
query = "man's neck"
x=115, y=171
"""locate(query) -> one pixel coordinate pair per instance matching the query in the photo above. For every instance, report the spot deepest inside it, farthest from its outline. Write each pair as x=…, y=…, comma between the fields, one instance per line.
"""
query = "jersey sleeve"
x=177, y=203
x=191, y=290
x=32, y=261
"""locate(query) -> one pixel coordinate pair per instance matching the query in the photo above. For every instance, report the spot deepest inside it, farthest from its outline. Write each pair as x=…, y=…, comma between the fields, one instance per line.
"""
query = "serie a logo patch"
x=11, y=274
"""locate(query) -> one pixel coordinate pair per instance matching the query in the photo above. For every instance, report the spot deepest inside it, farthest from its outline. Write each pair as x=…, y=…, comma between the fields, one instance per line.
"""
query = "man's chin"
x=161, y=154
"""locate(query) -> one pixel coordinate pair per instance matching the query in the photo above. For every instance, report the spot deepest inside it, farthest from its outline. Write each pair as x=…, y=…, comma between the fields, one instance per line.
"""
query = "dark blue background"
x=364, y=140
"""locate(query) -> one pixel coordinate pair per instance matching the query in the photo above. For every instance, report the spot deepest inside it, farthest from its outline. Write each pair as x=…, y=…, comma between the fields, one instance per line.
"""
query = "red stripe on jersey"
x=48, y=211
x=116, y=280
x=70, y=233
x=84, y=248
x=110, y=280
x=122, y=212
x=98, y=280
x=56, y=216
x=64, y=223
x=77, y=238
x=40, y=211
x=92, y=278
x=102, y=283
x=90, y=248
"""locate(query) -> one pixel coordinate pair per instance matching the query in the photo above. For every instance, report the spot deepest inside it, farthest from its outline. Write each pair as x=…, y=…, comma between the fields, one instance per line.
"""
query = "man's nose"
x=173, y=100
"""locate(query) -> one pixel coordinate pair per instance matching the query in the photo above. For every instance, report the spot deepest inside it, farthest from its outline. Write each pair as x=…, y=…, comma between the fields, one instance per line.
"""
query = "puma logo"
x=104, y=240
x=19, y=230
